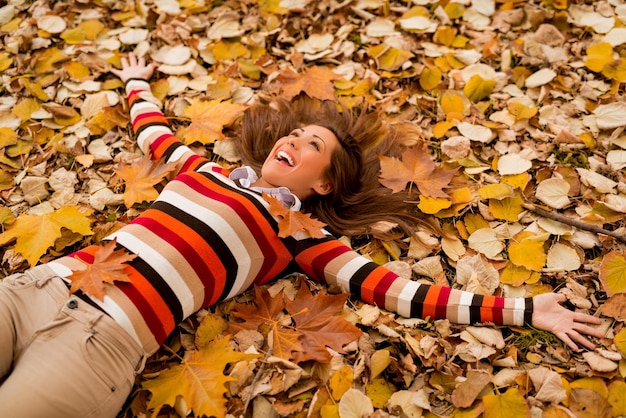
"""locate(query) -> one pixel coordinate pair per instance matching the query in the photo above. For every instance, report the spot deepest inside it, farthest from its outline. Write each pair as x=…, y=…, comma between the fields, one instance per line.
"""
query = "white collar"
x=247, y=177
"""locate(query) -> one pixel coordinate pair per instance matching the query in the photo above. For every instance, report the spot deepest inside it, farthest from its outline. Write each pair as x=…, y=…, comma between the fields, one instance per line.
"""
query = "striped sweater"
x=207, y=238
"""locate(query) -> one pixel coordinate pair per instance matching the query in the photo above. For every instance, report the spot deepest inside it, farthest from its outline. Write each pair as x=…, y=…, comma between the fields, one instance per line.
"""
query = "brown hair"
x=358, y=201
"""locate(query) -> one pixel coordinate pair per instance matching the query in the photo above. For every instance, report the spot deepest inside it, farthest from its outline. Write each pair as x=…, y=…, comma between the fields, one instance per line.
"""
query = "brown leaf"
x=466, y=392
x=315, y=82
x=108, y=266
x=141, y=177
x=615, y=307
x=416, y=167
x=292, y=221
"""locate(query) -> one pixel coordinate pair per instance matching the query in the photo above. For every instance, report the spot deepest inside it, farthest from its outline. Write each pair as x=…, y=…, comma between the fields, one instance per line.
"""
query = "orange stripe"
x=368, y=286
x=430, y=302
x=486, y=311
x=147, y=120
x=152, y=298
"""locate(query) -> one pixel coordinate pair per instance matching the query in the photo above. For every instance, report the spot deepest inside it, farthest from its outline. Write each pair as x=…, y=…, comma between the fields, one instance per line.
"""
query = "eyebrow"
x=315, y=136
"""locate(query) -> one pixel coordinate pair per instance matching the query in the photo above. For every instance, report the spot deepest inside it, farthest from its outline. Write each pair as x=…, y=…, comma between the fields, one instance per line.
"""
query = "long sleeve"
x=332, y=262
x=153, y=133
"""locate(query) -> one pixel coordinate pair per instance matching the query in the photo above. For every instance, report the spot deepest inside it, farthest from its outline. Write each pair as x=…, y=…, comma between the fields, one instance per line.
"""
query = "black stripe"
x=210, y=236
x=356, y=281
x=528, y=311
x=477, y=302
x=417, y=303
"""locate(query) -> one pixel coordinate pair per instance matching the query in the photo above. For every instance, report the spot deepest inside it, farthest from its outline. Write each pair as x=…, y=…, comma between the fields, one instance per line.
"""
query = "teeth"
x=282, y=155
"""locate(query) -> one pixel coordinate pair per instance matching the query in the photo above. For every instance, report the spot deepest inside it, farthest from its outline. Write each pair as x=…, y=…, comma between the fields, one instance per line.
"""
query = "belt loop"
x=141, y=364
x=42, y=274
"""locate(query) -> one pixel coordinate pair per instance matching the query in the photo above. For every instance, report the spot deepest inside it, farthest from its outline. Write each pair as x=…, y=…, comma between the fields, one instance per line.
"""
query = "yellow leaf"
x=141, y=177
x=516, y=181
x=389, y=58
x=617, y=397
x=598, y=56
x=521, y=111
x=6, y=216
x=208, y=118
x=34, y=234
x=63, y=115
x=8, y=137
x=5, y=61
x=508, y=208
x=495, y=191
x=616, y=70
x=430, y=78
x=432, y=205
x=478, y=88
x=73, y=36
x=620, y=341
x=474, y=222
x=515, y=275
x=199, y=379
x=91, y=29
x=228, y=50
x=613, y=273
x=379, y=391
x=46, y=60
x=452, y=102
x=272, y=7
x=340, y=382
x=211, y=326
x=77, y=70
x=510, y=404
x=379, y=362
x=454, y=10
x=526, y=250
x=440, y=128
x=444, y=35
x=26, y=107
x=592, y=383
x=35, y=90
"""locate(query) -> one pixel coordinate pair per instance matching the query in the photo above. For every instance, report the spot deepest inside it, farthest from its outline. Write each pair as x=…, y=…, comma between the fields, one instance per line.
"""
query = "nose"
x=291, y=141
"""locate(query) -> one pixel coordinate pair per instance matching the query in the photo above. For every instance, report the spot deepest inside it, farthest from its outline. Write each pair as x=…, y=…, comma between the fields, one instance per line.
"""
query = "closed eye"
x=315, y=145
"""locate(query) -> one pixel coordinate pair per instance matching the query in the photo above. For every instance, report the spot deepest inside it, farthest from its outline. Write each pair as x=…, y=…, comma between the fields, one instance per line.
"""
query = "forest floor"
x=524, y=100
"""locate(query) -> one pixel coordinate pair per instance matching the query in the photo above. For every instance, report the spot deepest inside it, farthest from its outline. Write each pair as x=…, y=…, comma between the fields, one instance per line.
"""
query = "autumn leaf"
x=416, y=167
x=319, y=321
x=510, y=404
x=208, y=119
x=108, y=266
x=266, y=314
x=527, y=251
x=292, y=221
x=36, y=233
x=316, y=82
x=613, y=273
x=141, y=177
x=199, y=379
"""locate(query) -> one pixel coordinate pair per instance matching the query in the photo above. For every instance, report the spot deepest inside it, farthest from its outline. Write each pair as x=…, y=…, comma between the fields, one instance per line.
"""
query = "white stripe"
x=348, y=270
x=406, y=297
x=466, y=298
x=223, y=229
x=61, y=270
x=178, y=153
x=167, y=271
x=149, y=134
x=518, y=314
x=142, y=107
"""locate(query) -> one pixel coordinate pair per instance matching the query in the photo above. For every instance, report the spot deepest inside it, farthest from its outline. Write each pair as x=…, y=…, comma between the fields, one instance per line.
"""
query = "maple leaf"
x=319, y=321
x=34, y=234
x=108, y=266
x=266, y=313
x=315, y=82
x=416, y=167
x=208, y=118
x=199, y=379
x=141, y=177
x=292, y=221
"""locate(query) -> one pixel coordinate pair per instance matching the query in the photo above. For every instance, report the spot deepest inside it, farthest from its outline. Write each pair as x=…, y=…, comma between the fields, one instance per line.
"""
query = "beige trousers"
x=59, y=356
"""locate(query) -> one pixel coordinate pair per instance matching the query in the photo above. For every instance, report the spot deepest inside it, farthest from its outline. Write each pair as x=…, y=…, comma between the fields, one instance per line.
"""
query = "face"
x=298, y=161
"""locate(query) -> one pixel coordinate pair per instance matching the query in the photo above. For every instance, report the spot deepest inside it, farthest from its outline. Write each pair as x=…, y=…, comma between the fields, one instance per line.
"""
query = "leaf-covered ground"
x=525, y=99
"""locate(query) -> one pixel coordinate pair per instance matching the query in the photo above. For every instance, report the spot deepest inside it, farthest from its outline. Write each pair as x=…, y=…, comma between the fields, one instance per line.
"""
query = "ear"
x=324, y=187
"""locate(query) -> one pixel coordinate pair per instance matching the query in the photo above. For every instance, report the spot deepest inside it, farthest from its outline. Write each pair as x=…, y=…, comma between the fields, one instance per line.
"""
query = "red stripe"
x=382, y=287
x=314, y=260
x=442, y=303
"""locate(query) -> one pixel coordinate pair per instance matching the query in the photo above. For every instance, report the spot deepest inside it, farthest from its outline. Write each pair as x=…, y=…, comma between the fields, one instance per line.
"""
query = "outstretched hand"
x=134, y=68
x=569, y=326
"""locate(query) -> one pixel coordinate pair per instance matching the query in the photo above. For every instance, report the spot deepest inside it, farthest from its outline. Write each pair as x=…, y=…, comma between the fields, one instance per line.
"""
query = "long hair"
x=358, y=201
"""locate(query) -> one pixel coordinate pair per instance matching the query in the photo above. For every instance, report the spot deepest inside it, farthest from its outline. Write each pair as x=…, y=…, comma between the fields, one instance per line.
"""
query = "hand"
x=569, y=326
x=134, y=68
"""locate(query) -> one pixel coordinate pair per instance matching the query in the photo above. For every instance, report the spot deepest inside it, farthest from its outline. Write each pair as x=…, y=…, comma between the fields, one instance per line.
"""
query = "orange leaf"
x=315, y=82
x=141, y=177
x=319, y=321
x=266, y=314
x=613, y=273
x=292, y=221
x=208, y=118
x=108, y=266
x=417, y=167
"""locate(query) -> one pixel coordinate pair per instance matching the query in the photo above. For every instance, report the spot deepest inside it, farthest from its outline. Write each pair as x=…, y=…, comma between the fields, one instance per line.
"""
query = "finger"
x=566, y=339
x=580, y=317
x=142, y=61
x=132, y=59
x=124, y=62
x=560, y=297
x=583, y=341
x=585, y=329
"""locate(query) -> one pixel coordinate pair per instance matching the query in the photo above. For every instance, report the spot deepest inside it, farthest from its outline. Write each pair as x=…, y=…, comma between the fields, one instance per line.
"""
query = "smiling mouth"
x=282, y=156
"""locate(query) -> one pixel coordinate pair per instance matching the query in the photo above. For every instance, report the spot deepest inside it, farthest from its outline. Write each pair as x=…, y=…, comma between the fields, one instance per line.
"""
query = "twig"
x=256, y=378
x=573, y=222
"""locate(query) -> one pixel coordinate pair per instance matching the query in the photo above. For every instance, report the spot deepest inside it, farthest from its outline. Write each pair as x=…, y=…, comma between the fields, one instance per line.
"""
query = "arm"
x=151, y=128
x=332, y=262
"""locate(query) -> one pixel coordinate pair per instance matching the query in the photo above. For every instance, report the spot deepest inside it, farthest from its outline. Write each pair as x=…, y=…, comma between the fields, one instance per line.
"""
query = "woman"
x=210, y=236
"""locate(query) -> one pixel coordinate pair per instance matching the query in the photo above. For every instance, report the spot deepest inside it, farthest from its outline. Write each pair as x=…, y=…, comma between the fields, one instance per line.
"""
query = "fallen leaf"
x=291, y=221
x=109, y=265
x=208, y=119
x=510, y=404
x=316, y=82
x=613, y=273
x=140, y=178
